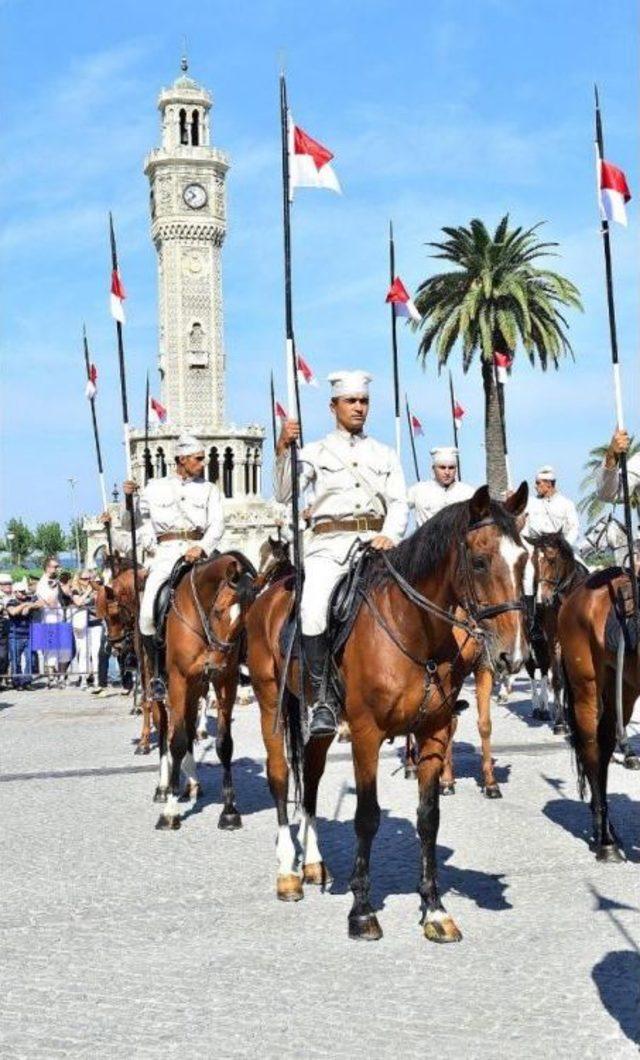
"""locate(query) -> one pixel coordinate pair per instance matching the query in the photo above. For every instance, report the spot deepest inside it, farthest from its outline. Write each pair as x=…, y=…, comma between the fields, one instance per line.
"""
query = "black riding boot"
x=157, y=687
x=323, y=715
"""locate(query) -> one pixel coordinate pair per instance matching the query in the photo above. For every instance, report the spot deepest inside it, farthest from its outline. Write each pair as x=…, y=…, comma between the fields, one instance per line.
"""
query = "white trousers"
x=160, y=568
x=320, y=576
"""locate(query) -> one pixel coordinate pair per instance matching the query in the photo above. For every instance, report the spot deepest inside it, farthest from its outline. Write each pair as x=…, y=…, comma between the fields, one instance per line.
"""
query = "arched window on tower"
x=184, y=136
x=213, y=467
x=247, y=472
x=161, y=464
x=227, y=473
x=195, y=128
x=255, y=472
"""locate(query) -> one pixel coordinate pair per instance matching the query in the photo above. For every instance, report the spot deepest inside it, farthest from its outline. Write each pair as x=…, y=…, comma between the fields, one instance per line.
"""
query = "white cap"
x=444, y=454
x=187, y=445
x=21, y=586
x=6, y=579
x=349, y=384
x=546, y=473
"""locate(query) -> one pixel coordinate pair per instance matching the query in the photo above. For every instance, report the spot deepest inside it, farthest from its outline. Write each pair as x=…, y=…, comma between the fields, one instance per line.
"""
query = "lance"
x=96, y=438
x=292, y=377
x=125, y=420
x=413, y=441
x=274, y=432
x=454, y=423
x=617, y=383
x=394, y=339
x=147, y=454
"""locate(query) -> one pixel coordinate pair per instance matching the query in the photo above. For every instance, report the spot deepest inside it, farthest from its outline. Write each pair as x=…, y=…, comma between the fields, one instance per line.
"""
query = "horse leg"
x=193, y=789
x=162, y=725
x=447, y=780
x=314, y=870
x=545, y=713
x=202, y=731
x=363, y=923
x=438, y=925
x=484, y=681
x=559, y=725
x=178, y=745
x=288, y=880
x=226, y=688
x=409, y=763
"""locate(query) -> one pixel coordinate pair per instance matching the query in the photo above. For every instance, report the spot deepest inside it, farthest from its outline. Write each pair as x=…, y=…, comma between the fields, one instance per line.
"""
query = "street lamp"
x=72, y=483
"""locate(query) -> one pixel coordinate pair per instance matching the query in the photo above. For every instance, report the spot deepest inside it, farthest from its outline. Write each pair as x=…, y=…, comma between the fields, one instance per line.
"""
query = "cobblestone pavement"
x=120, y=941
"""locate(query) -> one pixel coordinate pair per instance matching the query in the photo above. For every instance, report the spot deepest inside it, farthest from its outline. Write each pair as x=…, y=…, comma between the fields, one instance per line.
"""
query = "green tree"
x=49, y=538
x=590, y=504
x=18, y=539
x=77, y=524
x=494, y=300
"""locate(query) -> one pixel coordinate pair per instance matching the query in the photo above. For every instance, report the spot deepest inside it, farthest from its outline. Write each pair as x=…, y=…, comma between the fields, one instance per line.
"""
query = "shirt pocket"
x=332, y=476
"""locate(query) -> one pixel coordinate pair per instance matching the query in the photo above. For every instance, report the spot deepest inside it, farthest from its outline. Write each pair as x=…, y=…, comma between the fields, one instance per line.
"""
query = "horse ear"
x=232, y=574
x=517, y=502
x=479, y=505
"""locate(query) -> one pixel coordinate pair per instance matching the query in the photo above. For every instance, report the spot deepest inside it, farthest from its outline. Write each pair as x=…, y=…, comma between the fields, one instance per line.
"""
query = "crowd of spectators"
x=49, y=630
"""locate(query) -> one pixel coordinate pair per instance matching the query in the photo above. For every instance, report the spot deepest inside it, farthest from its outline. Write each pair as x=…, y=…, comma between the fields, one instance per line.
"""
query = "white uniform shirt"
x=345, y=476
x=169, y=505
x=429, y=497
x=550, y=515
x=609, y=480
x=49, y=595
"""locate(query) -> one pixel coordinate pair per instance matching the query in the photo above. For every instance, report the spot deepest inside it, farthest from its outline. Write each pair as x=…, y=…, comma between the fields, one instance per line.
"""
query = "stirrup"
x=323, y=720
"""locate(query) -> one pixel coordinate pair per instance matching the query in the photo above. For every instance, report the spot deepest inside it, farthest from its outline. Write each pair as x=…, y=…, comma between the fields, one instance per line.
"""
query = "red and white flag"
x=416, y=426
x=157, y=412
x=403, y=304
x=309, y=162
x=118, y=296
x=503, y=363
x=91, y=388
x=305, y=374
x=279, y=411
x=458, y=412
x=614, y=192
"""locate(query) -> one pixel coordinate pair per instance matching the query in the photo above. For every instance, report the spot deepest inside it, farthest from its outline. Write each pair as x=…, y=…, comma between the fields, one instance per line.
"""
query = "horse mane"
x=426, y=549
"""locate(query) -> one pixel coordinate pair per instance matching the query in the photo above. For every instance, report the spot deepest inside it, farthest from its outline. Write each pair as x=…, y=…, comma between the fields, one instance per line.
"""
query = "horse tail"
x=572, y=721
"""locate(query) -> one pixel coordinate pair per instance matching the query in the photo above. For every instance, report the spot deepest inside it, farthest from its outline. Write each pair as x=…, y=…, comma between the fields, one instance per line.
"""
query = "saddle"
x=622, y=620
x=164, y=596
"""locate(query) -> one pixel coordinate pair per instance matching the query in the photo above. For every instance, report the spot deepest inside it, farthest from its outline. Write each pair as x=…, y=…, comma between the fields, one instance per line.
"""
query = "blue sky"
x=437, y=111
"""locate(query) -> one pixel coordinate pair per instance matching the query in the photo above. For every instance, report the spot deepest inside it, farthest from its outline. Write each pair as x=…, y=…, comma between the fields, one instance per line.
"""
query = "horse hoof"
x=365, y=927
x=167, y=824
x=229, y=822
x=441, y=928
x=160, y=795
x=560, y=729
x=610, y=853
x=631, y=761
x=448, y=789
x=492, y=791
x=289, y=888
x=317, y=874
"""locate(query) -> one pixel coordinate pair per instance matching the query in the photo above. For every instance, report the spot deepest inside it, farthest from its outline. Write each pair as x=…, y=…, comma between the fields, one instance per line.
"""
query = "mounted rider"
x=180, y=517
x=355, y=493
x=608, y=484
x=548, y=512
x=430, y=496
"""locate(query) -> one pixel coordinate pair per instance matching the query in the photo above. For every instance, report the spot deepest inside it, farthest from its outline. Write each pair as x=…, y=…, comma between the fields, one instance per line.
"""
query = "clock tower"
x=187, y=202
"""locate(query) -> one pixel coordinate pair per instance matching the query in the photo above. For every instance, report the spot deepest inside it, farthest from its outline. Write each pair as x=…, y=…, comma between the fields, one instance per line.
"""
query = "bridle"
x=481, y=612
x=206, y=633
x=560, y=587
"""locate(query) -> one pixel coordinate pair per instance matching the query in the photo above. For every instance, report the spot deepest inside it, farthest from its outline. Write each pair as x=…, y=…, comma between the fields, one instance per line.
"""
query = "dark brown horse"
x=116, y=606
x=399, y=668
x=204, y=642
x=556, y=573
x=590, y=673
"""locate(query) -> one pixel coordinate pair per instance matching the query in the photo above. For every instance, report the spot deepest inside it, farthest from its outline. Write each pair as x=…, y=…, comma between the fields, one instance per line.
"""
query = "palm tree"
x=590, y=504
x=494, y=299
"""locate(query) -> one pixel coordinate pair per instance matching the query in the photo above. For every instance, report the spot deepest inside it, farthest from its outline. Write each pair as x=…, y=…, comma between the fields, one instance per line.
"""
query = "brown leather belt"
x=181, y=535
x=362, y=524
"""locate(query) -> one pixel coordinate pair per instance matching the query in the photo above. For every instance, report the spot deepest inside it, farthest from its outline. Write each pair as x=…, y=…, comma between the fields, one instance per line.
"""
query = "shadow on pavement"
x=575, y=817
x=467, y=762
x=617, y=977
x=250, y=782
x=395, y=858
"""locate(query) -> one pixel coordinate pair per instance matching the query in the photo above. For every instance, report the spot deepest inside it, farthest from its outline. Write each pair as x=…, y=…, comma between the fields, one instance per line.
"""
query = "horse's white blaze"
x=189, y=768
x=511, y=554
x=234, y=612
x=309, y=840
x=285, y=852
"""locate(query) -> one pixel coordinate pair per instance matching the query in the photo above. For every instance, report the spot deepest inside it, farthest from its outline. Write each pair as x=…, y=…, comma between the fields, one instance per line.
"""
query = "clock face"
x=195, y=196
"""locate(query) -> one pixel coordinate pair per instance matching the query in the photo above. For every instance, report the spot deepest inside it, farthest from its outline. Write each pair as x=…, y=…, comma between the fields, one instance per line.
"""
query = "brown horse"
x=204, y=641
x=483, y=678
x=590, y=672
x=556, y=573
x=117, y=607
x=399, y=669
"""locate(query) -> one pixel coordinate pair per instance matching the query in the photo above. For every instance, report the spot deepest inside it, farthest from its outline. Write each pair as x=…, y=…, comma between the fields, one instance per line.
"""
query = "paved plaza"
x=120, y=941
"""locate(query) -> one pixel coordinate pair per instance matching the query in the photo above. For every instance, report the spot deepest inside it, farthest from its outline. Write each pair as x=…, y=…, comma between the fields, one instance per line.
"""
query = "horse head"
x=554, y=564
x=490, y=575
